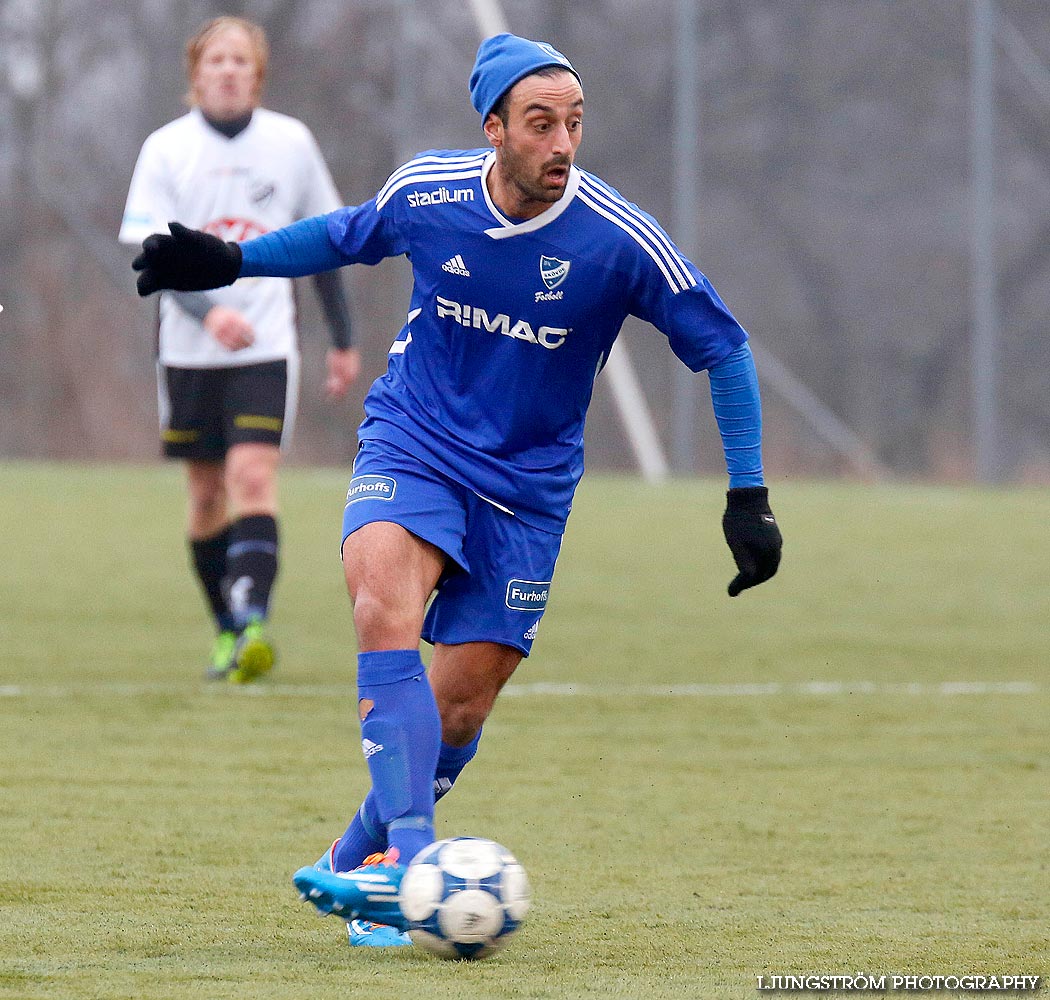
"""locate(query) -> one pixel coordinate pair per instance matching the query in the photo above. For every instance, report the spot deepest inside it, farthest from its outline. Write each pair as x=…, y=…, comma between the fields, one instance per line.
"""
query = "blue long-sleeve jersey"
x=510, y=322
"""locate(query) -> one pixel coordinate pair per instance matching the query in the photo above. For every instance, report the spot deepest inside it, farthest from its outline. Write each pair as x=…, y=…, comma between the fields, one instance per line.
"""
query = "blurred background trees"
x=834, y=207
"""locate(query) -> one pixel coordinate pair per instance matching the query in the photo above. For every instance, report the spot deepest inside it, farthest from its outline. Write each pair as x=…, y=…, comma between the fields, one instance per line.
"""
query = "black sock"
x=251, y=566
x=209, y=561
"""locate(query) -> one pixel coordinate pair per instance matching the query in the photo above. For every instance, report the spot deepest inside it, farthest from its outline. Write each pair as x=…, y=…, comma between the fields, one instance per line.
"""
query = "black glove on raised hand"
x=753, y=536
x=186, y=261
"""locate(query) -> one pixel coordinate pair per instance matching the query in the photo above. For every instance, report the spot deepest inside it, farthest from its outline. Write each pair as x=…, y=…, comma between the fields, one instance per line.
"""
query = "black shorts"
x=205, y=411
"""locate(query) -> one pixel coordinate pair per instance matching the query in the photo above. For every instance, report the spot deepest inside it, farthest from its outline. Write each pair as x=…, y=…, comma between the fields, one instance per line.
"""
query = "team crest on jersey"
x=262, y=193
x=553, y=271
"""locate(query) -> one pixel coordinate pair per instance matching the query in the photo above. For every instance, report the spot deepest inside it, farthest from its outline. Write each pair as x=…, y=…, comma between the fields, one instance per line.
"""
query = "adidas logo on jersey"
x=531, y=634
x=455, y=265
x=369, y=748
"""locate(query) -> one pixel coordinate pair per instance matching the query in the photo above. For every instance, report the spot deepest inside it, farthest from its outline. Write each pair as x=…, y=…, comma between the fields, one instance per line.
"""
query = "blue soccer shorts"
x=498, y=577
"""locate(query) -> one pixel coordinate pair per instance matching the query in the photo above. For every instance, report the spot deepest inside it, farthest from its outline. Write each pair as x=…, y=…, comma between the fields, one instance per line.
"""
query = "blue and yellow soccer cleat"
x=221, y=656
x=253, y=655
x=368, y=893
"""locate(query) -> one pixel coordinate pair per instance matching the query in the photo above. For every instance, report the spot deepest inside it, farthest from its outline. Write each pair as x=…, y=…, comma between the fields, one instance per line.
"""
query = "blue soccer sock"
x=367, y=833
x=451, y=761
x=400, y=736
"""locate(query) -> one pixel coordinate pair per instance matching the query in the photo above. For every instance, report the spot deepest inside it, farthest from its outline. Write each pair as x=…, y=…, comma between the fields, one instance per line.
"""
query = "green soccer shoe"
x=253, y=656
x=221, y=661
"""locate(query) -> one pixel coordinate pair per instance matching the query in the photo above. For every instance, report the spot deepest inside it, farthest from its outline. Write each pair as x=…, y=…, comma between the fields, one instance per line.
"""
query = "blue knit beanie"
x=505, y=59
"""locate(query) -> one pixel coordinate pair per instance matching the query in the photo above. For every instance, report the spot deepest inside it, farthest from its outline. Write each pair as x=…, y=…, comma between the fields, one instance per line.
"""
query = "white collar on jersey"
x=506, y=227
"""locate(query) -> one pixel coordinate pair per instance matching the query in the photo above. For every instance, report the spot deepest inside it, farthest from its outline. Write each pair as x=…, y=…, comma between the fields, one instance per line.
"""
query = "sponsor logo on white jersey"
x=234, y=228
x=369, y=749
x=476, y=318
x=442, y=196
x=455, y=265
x=553, y=271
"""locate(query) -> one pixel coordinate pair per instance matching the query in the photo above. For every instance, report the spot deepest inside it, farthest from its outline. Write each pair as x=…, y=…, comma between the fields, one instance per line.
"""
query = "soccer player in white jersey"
x=228, y=370
x=524, y=268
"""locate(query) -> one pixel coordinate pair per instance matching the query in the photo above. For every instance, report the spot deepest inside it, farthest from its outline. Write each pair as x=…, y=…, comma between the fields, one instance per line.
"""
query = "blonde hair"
x=199, y=42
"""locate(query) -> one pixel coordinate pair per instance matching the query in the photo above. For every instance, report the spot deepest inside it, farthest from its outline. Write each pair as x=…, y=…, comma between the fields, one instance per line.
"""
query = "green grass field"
x=844, y=771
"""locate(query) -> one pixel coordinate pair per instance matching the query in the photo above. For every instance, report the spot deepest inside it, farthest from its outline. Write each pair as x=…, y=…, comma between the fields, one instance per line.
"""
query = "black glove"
x=186, y=261
x=753, y=536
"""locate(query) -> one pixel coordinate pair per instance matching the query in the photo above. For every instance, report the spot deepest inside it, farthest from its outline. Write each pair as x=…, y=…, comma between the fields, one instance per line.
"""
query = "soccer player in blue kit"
x=524, y=269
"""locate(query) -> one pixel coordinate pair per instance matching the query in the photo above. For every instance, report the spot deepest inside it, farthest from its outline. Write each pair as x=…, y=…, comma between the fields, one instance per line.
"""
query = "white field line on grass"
x=539, y=689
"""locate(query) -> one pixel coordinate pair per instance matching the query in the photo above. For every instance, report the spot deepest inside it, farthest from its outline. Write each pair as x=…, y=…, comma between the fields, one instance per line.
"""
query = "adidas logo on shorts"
x=455, y=265
x=531, y=634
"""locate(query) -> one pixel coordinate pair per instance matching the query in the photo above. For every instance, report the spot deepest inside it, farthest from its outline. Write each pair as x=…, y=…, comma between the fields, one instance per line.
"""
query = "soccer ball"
x=464, y=897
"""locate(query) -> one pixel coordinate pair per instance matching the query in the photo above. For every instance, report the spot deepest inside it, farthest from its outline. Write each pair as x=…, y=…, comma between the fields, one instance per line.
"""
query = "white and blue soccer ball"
x=464, y=897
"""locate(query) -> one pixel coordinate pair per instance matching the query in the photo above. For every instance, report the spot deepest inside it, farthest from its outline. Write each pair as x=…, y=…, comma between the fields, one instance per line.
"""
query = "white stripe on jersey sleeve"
x=431, y=161
x=650, y=238
x=607, y=195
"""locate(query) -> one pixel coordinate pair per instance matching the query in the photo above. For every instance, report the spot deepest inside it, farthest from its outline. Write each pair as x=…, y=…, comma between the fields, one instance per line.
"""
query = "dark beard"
x=529, y=189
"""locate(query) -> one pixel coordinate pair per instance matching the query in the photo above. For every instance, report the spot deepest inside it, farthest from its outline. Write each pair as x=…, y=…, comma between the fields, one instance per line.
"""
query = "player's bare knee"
x=381, y=623
x=463, y=711
x=368, y=614
x=251, y=487
x=207, y=505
